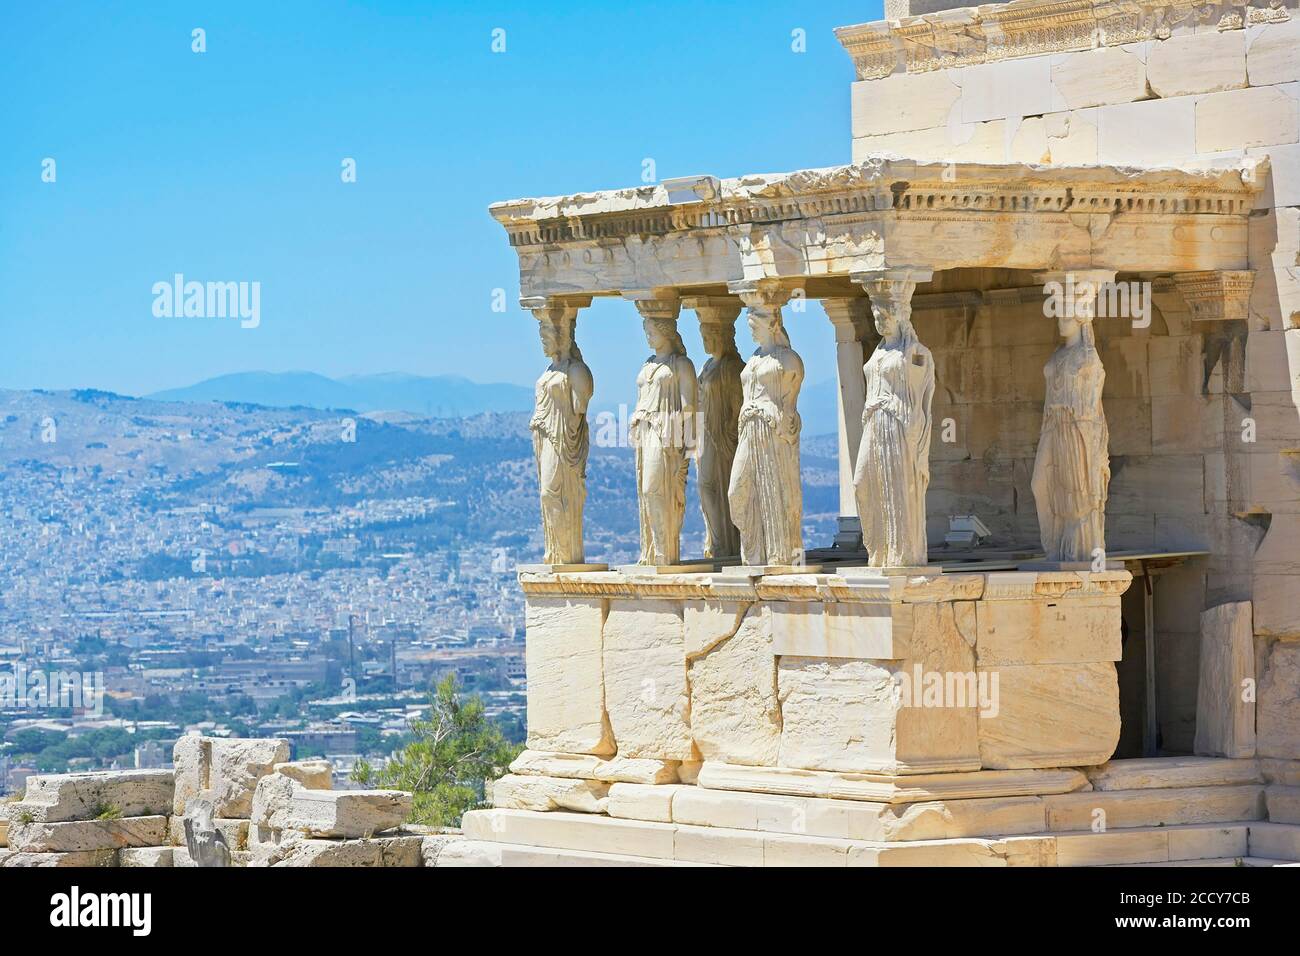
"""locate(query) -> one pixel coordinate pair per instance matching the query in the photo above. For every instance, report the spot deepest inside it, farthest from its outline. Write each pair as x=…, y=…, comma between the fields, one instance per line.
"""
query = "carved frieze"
x=985, y=34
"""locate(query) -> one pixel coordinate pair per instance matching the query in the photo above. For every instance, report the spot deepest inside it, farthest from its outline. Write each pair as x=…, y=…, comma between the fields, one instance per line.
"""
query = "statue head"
x=663, y=336
x=766, y=327
x=893, y=319
x=1076, y=328
x=719, y=338
x=1066, y=325
x=557, y=339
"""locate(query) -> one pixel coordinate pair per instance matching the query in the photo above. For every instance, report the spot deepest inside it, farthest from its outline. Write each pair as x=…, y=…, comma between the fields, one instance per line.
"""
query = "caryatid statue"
x=1072, y=466
x=662, y=429
x=892, y=472
x=720, y=400
x=765, y=494
x=559, y=427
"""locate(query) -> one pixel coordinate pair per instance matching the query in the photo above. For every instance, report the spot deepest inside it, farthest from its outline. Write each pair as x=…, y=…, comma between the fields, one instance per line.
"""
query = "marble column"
x=559, y=427
x=855, y=338
x=720, y=394
x=892, y=470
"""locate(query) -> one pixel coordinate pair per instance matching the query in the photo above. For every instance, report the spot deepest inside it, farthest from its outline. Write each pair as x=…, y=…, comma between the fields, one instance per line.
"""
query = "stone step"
x=464, y=853
x=1265, y=861
x=1114, y=809
x=837, y=819
x=688, y=843
x=883, y=788
x=732, y=847
x=1280, y=841
x=1147, y=773
x=1135, y=845
x=1218, y=861
x=936, y=820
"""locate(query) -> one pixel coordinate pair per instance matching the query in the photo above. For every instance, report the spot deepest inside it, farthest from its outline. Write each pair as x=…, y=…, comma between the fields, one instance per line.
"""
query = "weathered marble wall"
x=1181, y=395
x=1005, y=670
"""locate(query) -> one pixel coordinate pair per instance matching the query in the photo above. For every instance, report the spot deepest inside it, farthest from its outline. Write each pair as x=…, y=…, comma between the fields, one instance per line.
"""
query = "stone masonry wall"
x=1205, y=84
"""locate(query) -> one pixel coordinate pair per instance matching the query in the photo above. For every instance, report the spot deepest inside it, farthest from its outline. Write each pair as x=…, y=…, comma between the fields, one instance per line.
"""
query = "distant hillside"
x=440, y=396
x=132, y=458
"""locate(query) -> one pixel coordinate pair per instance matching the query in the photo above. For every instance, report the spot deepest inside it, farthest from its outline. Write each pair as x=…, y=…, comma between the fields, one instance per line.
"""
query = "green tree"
x=455, y=751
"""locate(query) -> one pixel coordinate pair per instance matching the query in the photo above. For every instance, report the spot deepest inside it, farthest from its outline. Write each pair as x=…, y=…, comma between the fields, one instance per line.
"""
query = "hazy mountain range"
x=436, y=396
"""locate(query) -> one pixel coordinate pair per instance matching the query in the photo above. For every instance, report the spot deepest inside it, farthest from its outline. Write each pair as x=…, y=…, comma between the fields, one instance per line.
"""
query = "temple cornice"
x=702, y=233
x=984, y=34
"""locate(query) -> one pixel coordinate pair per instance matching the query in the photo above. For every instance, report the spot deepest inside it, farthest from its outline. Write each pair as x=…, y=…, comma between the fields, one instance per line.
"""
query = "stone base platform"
x=1163, y=811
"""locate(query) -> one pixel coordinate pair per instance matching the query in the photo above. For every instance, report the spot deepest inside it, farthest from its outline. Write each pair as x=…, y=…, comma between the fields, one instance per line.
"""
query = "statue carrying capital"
x=662, y=429
x=1072, y=465
x=892, y=472
x=721, y=396
x=765, y=493
x=893, y=466
x=560, y=435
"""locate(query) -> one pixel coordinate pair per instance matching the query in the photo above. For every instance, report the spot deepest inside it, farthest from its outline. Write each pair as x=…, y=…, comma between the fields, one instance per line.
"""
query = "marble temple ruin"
x=1063, y=279
x=1059, y=624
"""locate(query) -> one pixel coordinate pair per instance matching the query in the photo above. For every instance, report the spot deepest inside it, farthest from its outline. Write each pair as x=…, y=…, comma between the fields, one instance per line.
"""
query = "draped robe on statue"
x=893, y=467
x=720, y=401
x=1072, y=466
x=765, y=494
x=560, y=444
x=660, y=430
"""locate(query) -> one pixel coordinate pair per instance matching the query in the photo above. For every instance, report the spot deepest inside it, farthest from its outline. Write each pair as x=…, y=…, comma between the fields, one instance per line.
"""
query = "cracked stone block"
x=549, y=793
x=77, y=836
x=226, y=771
x=59, y=798
x=284, y=804
x=735, y=715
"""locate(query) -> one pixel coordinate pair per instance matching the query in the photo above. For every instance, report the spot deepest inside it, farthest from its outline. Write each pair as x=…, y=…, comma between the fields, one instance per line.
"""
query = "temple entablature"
x=821, y=226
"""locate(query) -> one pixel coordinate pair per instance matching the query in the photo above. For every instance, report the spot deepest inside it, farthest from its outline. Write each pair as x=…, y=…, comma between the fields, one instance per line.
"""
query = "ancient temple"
x=1060, y=622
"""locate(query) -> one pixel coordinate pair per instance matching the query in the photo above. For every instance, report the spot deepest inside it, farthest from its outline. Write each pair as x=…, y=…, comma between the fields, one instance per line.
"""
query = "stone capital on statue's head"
x=714, y=309
x=765, y=294
x=890, y=291
x=557, y=319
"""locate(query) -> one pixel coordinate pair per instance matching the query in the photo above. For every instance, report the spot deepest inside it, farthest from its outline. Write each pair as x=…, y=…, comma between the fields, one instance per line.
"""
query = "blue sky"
x=225, y=166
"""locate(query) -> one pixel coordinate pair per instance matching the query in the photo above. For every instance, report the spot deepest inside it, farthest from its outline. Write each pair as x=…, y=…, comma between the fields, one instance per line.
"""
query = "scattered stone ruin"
x=228, y=802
